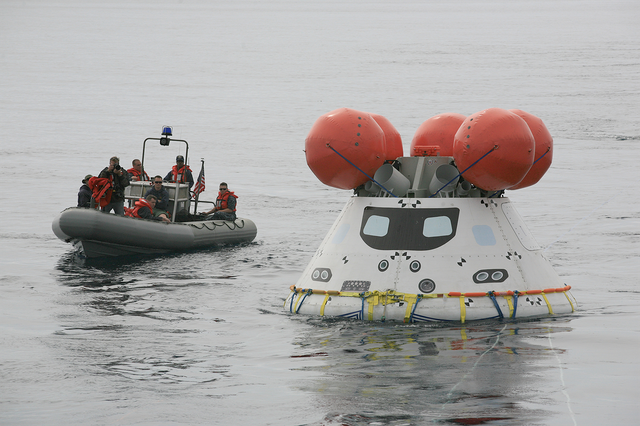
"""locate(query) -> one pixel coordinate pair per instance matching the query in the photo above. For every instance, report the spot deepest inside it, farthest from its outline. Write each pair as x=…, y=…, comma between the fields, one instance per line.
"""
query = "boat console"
x=181, y=202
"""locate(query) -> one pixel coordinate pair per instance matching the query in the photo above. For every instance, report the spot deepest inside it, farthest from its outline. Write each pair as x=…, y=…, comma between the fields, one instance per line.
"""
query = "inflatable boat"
x=431, y=236
x=97, y=234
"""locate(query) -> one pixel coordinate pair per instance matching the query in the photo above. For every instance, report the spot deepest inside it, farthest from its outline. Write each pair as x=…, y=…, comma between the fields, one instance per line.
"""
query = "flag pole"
x=200, y=176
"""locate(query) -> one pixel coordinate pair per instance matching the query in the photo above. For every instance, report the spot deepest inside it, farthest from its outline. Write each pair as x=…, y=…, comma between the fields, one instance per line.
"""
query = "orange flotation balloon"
x=356, y=136
x=506, y=138
x=393, y=140
x=543, y=152
x=435, y=136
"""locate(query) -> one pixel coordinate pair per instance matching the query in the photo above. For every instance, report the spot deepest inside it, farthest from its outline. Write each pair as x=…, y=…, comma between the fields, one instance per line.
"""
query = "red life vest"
x=138, y=205
x=139, y=175
x=221, y=201
x=101, y=188
x=175, y=172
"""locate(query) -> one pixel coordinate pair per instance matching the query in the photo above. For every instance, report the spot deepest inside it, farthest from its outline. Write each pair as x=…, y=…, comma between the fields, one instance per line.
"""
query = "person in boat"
x=161, y=194
x=225, y=208
x=180, y=172
x=119, y=179
x=136, y=173
x=85, y=193
x=144, y=209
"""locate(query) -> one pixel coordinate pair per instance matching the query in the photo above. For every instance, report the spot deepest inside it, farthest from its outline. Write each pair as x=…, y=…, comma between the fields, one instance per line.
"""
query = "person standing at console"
x=180, y=172
x=119, y=179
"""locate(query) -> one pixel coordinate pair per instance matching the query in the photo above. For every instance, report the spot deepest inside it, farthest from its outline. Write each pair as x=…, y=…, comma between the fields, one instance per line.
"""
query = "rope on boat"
x=237, y=224
x=361, y=171
x=375, y=298
x=460, y=174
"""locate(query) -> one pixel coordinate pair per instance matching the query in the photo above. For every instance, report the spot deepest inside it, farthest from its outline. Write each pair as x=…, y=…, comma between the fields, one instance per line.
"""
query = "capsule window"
x=376, y=226
x=439, y=226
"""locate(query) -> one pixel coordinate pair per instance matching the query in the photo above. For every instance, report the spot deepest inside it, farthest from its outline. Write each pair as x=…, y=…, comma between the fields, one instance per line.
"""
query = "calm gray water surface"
x=201, y=338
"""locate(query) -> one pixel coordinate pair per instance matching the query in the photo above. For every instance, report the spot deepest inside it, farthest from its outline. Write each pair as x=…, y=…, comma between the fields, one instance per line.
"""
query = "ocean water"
x=201, y=338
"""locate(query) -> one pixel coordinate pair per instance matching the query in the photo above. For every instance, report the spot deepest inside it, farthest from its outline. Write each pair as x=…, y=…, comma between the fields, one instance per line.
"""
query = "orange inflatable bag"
x=342, y=141
x=435, y=135
x=543, y=154
x=497, y=148
x=393, y=140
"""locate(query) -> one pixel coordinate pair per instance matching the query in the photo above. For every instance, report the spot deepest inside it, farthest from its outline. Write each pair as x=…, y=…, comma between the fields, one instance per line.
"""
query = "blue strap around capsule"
x=309, y=291
x=415, y=305
x=293, y=296
x=515, y=303
x=495, y=303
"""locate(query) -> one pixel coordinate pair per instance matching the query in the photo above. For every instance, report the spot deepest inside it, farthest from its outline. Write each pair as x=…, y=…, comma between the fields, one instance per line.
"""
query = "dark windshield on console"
x=408, y=229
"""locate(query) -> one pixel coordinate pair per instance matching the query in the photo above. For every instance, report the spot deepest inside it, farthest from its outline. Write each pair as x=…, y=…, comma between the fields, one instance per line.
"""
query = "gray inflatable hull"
x=100, y=234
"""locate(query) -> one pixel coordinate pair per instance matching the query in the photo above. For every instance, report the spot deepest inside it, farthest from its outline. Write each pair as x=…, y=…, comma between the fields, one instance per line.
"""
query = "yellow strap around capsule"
x=324, y=303
x=571, y=303
x=463, y=309
x=510, y=303
x=373, y=300
x=411, y=300
x=548, y=304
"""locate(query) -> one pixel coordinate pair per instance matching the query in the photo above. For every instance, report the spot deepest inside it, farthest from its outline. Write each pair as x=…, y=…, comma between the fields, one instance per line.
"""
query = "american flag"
x=199, y=186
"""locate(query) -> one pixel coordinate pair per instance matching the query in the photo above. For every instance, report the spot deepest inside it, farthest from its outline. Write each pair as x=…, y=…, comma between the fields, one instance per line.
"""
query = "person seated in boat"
x=85, y=193
x=136, y=173
x=119, y=179
x=144, y=209
x=180, y=172
x=161, y=194
x=225, y=208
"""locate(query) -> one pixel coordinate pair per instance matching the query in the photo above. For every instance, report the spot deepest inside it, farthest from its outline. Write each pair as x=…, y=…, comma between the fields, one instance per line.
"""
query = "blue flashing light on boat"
x=167, y=131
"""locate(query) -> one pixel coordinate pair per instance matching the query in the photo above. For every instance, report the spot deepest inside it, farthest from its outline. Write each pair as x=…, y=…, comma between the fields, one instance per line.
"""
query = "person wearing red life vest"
x=119, y=179
x=225, y=208
x=136, y=173
x=180, y=172
x=144, y=209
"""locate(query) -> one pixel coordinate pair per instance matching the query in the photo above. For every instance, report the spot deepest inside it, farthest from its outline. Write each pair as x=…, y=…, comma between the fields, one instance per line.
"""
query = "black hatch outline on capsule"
x=405, y=230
